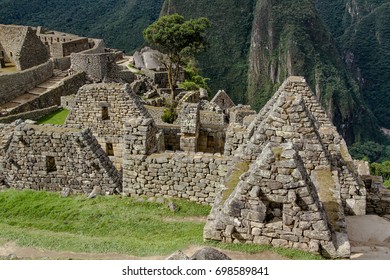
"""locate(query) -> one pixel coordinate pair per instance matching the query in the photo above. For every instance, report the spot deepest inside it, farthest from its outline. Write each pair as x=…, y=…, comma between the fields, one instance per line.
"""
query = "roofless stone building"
x=282, y=177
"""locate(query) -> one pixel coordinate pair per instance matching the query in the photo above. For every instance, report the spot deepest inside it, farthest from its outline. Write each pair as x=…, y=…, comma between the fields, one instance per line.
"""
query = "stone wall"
x=189, y=127
x=171, y=137
x=275, y=202
x=52, y=97
x=223, y=100
x=194, y=176
x=236, y=136
x=100, y=66
x=54, y=158
x=33, y=52
x=209, y=118
x=104, y=108
x=61, y=63
x=22, y=47
x=237, y=114
x=63, y=49
x=295, y=115
x=15, y=84
x=31, y=115
x=211, y=139
x=378, y=197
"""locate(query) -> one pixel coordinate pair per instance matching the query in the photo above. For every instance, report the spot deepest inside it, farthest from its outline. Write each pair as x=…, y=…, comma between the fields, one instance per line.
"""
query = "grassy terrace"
x=105, y=224
x=111, y=224
x=58, y=117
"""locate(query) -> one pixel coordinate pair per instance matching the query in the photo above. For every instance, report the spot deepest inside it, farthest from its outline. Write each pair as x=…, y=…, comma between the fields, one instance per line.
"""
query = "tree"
x=178, y=39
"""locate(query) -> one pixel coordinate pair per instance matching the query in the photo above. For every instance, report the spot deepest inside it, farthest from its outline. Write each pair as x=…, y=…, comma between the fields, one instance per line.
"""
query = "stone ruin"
x=20, y=46
x=282, y=177
x=293, y=180
x=54, y=158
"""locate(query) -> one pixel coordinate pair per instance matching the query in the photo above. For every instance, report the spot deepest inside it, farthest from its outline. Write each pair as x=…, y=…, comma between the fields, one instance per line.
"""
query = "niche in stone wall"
x=50, y=164
x=274, y=212
x=210, y=142
x=105, y=115
x=109, y=149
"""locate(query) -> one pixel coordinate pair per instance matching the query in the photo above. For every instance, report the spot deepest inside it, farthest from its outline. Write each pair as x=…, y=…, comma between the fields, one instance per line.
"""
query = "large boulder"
x=209, y=253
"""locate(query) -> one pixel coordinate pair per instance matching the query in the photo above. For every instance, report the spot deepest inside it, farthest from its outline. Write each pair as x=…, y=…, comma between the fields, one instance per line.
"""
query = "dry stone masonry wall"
x=54, y=158
x=193, y=176
x=104, y=108
x=14, y=84
x=276, y=203
x=293, y=116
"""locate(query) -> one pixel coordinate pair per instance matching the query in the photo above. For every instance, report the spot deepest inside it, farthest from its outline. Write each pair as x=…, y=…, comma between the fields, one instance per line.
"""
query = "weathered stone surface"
x=209, y=253
x=178, y=255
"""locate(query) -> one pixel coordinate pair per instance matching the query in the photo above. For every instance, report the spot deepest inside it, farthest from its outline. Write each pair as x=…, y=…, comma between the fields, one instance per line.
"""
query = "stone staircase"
x=34, y=93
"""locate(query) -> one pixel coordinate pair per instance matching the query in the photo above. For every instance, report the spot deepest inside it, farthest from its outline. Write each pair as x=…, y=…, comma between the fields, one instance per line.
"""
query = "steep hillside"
x=362, y=34
x=225, y=63
x=119, y=22
x=288, y=38
x=255, y=45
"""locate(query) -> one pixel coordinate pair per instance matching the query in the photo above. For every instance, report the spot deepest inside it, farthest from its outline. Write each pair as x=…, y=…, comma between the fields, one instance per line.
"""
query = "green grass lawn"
x=111, y=224
x=58, y=117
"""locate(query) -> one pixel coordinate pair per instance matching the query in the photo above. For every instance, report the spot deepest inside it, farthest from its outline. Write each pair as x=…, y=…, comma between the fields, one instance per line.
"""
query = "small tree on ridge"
x=178, y=39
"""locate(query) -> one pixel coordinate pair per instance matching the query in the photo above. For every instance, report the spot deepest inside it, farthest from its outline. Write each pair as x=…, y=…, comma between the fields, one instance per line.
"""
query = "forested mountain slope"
x=361, y=29
x=340, y=46
x=284, y=38
x=119, y=22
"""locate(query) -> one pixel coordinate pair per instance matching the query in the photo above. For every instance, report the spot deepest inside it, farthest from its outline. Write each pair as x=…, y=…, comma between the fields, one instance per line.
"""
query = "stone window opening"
x=169, y=147
x=50, y=164
x=11, y=54
x=2, y=53
x=88, y=60
x=109, y=149
x=274, y=212
x=105, y=115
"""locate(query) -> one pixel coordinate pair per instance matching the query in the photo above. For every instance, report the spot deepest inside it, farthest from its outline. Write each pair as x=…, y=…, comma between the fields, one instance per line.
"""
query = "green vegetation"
x=234, y=178
x=178, y=39
x=225, y=62
x=253, y=249
x=112, y=224
x=381, y=169
x=292, y=40
x=58, y=117
x=194, y=80
x=105, y=224
x=362, y=33
x=169, y=115
x=119, y=22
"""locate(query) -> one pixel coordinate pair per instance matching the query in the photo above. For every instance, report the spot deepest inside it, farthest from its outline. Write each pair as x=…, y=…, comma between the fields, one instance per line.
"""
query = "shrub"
x=169, y=115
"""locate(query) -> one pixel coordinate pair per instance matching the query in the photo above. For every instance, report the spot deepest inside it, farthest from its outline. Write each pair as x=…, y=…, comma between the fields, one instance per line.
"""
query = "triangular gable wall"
x=294, y=116
x=53, y=158
x=276, y=203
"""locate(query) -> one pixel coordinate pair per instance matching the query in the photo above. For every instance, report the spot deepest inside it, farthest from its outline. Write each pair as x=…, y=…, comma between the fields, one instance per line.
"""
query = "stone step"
x=48, y=84
x=38, y=90
x=9, y=106
x=25, y=98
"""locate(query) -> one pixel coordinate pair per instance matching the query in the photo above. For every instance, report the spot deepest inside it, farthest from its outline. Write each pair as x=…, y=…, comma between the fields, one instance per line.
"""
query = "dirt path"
x=369, y=237
x=11, y=250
